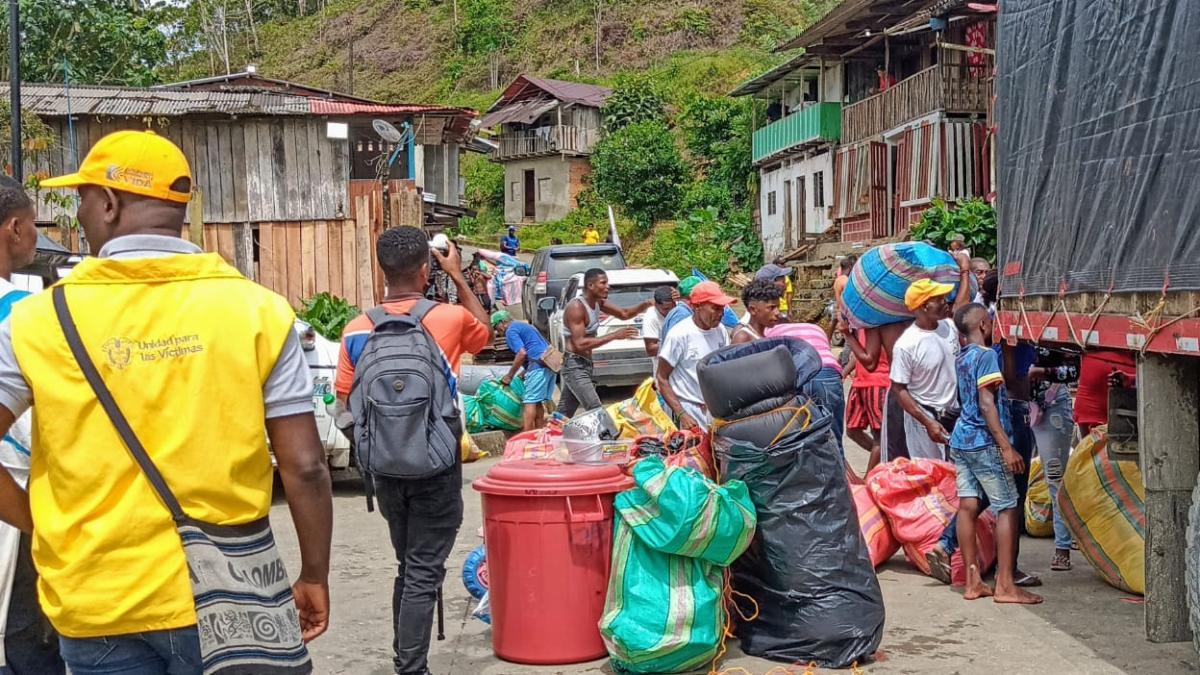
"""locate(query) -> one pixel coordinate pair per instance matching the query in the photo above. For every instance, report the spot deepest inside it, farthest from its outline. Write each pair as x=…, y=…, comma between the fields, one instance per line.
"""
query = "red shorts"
x=864, y=407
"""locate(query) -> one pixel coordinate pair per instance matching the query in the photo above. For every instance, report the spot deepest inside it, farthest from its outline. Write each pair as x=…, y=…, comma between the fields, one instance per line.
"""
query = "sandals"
x=1026, y=580
x=939, y=564
x=1061, y=562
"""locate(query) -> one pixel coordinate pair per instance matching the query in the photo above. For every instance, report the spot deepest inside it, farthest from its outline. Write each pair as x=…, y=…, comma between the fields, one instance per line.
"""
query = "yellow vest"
x=185, y=343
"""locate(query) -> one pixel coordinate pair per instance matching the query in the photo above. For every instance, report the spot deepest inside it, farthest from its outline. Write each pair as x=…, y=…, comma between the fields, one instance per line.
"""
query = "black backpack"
x=404, y=400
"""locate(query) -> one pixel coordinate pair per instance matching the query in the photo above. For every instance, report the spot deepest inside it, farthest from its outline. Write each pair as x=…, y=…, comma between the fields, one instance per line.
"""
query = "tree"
x=635, y=99
x=640, y=168
x=717, y=134
x=487, y=30
x=98, y=41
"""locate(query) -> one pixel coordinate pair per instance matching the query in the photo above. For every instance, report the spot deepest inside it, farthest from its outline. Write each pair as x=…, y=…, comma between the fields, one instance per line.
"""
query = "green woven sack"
x=675, y=533
x=501, y=405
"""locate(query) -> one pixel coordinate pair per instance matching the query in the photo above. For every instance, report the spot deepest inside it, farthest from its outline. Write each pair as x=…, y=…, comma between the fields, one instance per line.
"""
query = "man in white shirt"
x=922, y=370
x=682, y=350
x=652, y=319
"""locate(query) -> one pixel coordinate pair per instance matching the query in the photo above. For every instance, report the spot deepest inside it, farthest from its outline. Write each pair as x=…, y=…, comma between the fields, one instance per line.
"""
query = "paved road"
x=1084, y=627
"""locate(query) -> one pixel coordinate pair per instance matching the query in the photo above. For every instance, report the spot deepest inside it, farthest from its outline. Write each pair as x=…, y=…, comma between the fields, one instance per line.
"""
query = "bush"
x=640, y=169
x=974, y=219
x=714, y=246
x=635, y=99
x=717, y=134
x=328, y=315
x=485, y=182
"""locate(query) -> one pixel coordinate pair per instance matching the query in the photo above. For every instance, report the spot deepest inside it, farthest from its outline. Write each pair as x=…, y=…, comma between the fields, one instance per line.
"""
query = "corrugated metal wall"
x=245, y=170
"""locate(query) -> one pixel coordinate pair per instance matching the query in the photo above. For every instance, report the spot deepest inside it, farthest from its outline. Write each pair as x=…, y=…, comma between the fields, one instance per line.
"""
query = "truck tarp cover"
x=1098, y=107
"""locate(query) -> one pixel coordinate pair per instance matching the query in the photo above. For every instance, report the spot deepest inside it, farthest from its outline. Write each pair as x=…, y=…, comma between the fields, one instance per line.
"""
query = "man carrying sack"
x=154, y=367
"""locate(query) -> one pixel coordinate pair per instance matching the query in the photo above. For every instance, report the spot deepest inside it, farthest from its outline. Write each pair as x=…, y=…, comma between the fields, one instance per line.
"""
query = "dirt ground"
x=1085, y=626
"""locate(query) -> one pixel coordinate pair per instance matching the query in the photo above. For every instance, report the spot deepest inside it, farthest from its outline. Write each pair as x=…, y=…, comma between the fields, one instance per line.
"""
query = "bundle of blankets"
x=807, y=568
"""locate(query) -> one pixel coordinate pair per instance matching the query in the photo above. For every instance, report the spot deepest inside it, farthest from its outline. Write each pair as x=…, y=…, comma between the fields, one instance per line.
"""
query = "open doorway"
x=530, y=194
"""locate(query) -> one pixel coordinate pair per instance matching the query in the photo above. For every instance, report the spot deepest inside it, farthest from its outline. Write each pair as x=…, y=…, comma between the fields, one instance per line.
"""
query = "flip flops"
x=1026, y=580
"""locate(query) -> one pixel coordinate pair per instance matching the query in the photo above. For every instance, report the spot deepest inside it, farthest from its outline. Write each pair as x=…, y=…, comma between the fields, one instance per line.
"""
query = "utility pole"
x=14, y=87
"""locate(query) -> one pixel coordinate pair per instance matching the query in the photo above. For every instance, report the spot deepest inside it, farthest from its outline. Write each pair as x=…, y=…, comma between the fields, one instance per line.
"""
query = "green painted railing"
x=817, y=122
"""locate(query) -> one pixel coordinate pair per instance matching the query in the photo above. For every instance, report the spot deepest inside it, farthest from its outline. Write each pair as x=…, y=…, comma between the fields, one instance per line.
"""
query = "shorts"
x=982, y=472
x=539, y=385
x=864, y=407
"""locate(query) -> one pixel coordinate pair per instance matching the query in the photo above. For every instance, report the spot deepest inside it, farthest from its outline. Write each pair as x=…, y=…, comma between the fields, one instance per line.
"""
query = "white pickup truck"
x=322, y=356
x=620, y=362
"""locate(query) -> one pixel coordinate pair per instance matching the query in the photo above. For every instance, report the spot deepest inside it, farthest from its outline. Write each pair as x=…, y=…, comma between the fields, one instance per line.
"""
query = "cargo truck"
x=1097, y=116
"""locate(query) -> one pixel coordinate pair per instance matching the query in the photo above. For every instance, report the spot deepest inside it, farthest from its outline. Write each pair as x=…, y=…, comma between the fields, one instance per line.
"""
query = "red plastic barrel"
x=548, y=529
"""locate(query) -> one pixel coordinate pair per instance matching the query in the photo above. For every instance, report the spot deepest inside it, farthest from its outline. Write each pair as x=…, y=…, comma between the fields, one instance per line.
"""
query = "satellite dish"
x=387, y=131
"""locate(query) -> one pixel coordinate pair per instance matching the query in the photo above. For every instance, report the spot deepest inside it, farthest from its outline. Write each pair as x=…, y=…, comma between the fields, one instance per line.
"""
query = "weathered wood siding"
x=245, y=170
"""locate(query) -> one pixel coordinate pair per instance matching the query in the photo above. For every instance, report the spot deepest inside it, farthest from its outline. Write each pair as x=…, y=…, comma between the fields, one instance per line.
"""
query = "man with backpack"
x=397, y=371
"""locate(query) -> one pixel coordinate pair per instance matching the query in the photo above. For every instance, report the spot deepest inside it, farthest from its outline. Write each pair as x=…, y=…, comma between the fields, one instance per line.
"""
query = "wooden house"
x=793, y=149
x=287, y=178
x=547, y=129
x=916, y=80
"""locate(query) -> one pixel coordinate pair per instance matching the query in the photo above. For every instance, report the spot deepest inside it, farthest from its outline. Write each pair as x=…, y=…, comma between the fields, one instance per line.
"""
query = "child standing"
x=985, y=459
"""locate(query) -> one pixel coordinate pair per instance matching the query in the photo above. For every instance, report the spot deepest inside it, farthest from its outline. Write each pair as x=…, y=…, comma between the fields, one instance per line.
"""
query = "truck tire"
x=1192, y=576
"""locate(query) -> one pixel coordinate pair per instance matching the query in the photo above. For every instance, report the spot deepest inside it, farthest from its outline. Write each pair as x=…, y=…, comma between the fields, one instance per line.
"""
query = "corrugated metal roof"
x=522, y=112
x=321, y=106
x=525, y=87
x=55, y=100
x=756, y=84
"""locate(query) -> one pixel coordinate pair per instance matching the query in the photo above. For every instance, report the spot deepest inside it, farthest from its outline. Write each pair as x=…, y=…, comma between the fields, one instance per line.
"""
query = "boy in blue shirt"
x=985, y=459
x=528, y=346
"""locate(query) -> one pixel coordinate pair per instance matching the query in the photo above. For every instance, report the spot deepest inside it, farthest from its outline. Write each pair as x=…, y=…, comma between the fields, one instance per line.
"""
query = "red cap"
x=709, y=293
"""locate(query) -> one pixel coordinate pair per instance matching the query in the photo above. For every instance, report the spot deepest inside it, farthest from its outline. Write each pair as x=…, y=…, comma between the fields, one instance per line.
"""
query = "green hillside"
x=444, y=51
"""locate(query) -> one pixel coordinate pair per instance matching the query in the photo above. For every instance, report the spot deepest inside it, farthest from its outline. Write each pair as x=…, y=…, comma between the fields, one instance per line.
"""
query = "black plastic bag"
x=808, y=567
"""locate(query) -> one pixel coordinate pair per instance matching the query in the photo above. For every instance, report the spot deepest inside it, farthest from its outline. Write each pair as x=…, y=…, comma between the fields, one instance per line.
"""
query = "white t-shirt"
x=924, y=360
x=652, y=323
x=684, y=347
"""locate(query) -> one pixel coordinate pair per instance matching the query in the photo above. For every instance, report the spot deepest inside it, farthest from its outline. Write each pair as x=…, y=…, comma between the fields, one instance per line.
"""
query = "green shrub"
x=974, y=219
x=640, y=169
x=635, y=99
x=712, y=245
x=485, y=182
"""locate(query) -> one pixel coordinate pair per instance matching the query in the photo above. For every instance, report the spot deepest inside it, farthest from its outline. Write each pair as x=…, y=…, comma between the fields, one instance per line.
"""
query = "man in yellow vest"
x=197, y=358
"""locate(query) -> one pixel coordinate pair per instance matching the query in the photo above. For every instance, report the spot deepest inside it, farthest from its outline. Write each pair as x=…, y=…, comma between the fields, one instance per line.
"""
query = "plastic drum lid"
x=546, y=478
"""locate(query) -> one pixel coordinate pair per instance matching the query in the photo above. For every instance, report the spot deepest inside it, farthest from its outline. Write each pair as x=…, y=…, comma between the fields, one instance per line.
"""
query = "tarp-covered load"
x=675, y=534
x=1098, y=106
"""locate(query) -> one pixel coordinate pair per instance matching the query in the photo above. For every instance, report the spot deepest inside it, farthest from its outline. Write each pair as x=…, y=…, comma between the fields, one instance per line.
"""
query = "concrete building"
x=793, y=150
x=547, y=131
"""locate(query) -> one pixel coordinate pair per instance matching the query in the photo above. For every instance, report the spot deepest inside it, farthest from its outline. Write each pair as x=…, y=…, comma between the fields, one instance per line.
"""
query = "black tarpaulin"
x=1098, y=108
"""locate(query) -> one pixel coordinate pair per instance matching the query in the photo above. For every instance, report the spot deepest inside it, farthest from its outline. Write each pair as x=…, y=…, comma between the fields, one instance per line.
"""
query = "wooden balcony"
x=820, y=122
x=952, y=88
x=552, y=140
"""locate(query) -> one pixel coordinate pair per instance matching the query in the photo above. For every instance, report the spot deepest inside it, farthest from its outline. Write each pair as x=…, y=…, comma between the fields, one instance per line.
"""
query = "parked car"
x=619, y=362
x=322, y=356
x=553, y=266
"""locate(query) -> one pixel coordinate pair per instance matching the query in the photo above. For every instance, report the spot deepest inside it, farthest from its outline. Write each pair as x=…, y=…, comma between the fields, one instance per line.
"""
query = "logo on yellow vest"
x=120, y=351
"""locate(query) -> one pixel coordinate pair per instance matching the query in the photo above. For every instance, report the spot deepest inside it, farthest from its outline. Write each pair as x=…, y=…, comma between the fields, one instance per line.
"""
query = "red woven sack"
x=871, y=522
x=919, y=498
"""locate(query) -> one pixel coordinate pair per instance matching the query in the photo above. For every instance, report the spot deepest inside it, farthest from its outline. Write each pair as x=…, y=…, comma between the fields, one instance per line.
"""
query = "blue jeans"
x=981, y=472
x=1053, y=433
x=1022, y=440
x=162, y=652
x=826, y=389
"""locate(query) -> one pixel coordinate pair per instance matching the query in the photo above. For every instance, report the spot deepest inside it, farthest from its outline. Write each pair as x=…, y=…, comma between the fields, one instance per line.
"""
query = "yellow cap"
x=922, y=290
x=139, y=162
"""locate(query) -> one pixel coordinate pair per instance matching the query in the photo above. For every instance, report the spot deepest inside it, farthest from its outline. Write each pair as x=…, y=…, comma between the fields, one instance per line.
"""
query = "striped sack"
x=676, y=532
x=1039, y=510
x=875, y=530
x=1103, y=504
x=874, y=295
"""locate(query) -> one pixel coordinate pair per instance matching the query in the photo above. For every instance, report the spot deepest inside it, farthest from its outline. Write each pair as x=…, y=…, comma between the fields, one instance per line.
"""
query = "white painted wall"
x=816, y=218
